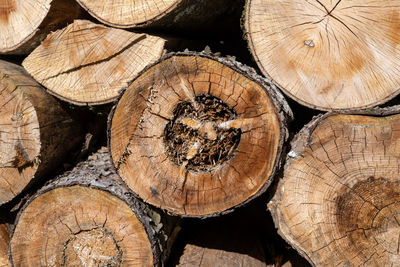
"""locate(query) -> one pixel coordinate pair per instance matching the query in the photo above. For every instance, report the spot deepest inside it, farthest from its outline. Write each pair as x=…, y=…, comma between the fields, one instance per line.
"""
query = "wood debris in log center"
x=194, y=139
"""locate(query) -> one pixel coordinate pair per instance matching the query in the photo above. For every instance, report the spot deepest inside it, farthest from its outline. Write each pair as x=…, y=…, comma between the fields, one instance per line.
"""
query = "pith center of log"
x=95, y=247
x=367, y=211
x=196, y=137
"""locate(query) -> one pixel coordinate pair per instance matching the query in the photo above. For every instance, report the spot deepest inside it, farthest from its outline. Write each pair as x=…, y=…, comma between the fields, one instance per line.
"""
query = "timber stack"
x=122, y=143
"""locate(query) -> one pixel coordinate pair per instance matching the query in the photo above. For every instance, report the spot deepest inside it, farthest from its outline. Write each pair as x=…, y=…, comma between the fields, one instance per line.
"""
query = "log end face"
x=83, y=226
x=337, y=203
x=211, y=120
x=328, y=58
x=19, y=140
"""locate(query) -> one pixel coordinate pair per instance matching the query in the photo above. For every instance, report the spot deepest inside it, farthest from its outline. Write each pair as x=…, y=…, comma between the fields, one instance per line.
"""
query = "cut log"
x=4, y=243
x=338, y=202
x=35, y=134
x=222, y=243
x=328, y=55
x=189, y=15
x=198, y=135
x=25, y=23
x=88, y=217
x=87, y=63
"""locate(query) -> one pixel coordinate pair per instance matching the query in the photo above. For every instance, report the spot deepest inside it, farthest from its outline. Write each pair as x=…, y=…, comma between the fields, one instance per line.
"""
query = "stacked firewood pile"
x=199, y=133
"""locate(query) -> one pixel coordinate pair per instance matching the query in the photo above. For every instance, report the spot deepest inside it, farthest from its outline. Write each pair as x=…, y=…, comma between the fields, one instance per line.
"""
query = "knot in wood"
x=195, y=138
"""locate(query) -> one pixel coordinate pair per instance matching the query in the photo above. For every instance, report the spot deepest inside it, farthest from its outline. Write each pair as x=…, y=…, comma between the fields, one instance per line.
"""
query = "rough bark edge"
x=245, y=25
x=282, y=109
x=161, y=230
x=301, y=141
x=30, y=42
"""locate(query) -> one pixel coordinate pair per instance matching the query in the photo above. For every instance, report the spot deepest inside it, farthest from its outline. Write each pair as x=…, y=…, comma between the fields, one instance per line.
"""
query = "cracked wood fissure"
x=88, y=64
x=198, y=135
x=35, y=131
x=338, y=202
x=88, y=217
x=174, y=15
x=328, y=55
x=24, y=24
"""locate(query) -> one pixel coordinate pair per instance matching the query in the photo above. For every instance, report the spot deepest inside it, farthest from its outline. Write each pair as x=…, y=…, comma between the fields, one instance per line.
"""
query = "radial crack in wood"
x=25, y=23
x=87, y=63
x=328, y=55
x=338, y=202
x=35, y=131
x=178, y=137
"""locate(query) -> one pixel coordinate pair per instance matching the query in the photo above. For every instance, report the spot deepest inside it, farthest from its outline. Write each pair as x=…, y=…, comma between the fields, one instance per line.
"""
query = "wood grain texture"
x=88, y=217
x=35, y=131
x=171, y=133
x=4, y=243
x=227, y=243
x=24, y=24
x=337, y=203
x=328, y=55
x=88, y=64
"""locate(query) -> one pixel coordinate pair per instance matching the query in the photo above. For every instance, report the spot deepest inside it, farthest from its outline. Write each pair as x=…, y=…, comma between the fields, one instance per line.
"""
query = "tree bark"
x=88, y=64
x=89, y=217
x=198, y=135
x=24, y=24
x=337, y=203
x=328, y=55
x=36, y=132
x=4, y=243
x=177, y=15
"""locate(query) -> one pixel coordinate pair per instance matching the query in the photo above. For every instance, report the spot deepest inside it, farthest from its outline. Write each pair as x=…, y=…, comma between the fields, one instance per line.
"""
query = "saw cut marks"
x=328, y=55
x=338, y=202
x=87, y=63
x=196, y=136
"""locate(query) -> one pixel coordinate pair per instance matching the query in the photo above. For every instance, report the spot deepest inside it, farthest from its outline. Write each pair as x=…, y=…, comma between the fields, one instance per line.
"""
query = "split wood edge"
x=89, y=64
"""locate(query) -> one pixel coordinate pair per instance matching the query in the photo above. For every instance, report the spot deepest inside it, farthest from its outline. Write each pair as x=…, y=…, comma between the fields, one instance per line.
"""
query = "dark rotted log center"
x=196, y=136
